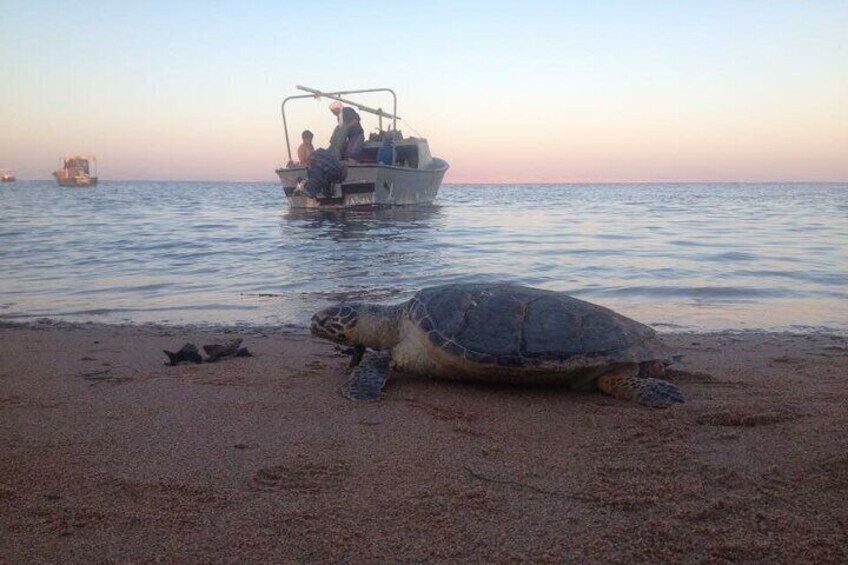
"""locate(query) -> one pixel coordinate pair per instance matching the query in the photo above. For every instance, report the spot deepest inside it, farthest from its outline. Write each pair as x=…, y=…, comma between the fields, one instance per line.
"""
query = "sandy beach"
x=110, y=456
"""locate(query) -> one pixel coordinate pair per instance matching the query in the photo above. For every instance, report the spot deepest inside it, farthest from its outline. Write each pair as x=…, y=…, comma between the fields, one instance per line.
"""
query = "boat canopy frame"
x=337, y=95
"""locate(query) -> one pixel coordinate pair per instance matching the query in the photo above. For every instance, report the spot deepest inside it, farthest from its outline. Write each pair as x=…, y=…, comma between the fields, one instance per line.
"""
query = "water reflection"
x=383, y=224
x=372, y=254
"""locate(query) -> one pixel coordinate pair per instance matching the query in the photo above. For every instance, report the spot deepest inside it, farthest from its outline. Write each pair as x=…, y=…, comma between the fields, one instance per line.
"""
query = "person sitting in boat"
x=355, y=139
x=322, y=171
x=306, y=149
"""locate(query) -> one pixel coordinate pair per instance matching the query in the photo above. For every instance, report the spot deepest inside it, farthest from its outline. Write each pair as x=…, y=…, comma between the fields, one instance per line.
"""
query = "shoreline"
x=113, y=456
x=663, y=329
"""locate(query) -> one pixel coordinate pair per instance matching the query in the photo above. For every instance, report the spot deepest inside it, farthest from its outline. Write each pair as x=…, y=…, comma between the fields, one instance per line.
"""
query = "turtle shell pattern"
x=514, y=326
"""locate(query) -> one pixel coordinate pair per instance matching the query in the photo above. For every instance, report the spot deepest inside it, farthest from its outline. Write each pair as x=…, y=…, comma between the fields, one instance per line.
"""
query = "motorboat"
x=7, y=175
x=405, y=175
x=76, y=171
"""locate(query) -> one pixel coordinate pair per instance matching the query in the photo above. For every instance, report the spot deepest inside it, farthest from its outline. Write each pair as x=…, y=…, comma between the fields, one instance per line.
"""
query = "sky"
x=514, y=92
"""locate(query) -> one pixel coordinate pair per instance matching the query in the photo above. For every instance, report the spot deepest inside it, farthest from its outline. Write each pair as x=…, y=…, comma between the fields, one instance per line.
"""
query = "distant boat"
x=75, y=171
x=7, y=175
x=392, y=171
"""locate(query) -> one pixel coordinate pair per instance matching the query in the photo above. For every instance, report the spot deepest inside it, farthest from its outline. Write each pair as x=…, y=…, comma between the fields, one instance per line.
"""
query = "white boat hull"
x=369, y=185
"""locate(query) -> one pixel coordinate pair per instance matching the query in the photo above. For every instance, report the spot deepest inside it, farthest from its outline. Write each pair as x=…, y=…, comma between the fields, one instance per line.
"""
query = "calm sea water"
x=679, y=257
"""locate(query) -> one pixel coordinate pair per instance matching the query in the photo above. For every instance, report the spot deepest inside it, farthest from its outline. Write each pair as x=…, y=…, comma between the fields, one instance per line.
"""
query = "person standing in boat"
x=339, y=137
x=355, y=139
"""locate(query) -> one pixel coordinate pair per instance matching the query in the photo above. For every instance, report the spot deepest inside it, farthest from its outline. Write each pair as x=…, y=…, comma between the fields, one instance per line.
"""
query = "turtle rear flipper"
x=625, y=383
x=368, y=378
x=217, y=351
x=188, y=352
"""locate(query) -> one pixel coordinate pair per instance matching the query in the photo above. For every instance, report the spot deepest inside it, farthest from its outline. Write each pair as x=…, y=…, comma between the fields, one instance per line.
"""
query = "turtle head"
x=351, y=323
x=337, y=323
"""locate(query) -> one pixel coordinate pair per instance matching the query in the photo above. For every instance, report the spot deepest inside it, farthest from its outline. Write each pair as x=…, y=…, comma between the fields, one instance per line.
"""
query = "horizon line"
x=485, y=183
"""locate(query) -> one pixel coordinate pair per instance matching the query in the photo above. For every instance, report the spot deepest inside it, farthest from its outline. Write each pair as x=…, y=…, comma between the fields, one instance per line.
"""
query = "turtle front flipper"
x=356, y=356
x=368, y=377
x=625, y=383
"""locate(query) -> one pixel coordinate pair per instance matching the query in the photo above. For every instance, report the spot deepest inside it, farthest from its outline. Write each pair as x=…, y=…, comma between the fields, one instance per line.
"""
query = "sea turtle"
x=499, y=333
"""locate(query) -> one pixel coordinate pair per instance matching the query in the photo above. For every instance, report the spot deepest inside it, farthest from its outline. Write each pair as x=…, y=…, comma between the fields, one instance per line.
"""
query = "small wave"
x=124, y=289
x=732, y=256
x=694, y=292
x=835, y=280
x=689, y=243
x=616, y=236
x=11, y=233
x=115, y=311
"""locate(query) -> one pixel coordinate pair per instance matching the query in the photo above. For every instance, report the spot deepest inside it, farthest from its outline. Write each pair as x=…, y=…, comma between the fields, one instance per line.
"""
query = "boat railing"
x=337, y=95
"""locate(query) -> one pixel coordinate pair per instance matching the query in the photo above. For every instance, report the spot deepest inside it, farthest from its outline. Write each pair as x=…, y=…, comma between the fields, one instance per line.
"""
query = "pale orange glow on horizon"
x=704, y=92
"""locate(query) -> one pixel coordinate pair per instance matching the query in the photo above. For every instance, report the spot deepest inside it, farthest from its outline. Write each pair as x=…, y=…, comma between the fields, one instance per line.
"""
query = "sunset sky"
x=546, y=91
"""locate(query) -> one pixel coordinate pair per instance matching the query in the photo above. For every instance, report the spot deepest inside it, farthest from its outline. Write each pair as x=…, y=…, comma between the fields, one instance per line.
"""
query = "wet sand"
x=109, y=456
